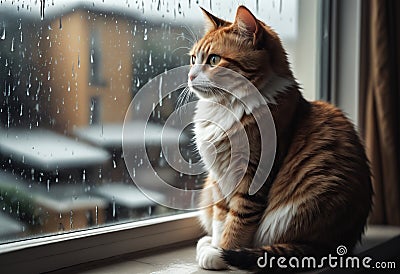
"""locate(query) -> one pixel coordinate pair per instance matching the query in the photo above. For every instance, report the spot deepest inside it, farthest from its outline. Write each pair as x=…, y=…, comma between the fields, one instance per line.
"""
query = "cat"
x=318, y=194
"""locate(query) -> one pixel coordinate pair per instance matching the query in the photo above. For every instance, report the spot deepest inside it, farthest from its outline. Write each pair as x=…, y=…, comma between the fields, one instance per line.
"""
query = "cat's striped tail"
x=266, y=259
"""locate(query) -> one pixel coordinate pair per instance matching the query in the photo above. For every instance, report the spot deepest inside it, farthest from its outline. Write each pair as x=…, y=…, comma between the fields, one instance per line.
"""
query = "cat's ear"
x=246, y=23
x=212, y=22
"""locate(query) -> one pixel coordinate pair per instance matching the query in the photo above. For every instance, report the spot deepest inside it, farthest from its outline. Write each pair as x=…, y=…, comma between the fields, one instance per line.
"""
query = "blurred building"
x=88, y=62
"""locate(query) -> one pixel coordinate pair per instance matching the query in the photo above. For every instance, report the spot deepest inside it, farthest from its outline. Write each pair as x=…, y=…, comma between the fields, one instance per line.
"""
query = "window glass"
x=68, y=73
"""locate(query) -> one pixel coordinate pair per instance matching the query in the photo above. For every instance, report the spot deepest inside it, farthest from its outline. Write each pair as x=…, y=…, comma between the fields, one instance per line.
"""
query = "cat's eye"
x=214, y=59
x=193, y=59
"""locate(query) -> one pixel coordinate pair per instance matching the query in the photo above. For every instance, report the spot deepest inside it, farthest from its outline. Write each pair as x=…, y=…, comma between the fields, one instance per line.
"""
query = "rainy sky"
x=281, y=14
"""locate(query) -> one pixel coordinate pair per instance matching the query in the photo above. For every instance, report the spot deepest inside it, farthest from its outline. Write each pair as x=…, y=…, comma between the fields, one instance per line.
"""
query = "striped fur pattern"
x=318, y=194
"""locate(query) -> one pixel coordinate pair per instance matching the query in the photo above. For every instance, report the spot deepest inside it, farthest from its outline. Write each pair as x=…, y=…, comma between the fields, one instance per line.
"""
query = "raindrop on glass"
x=179, y=8
x=17, y=208
x=113, y=207
x=145, y=34
x=12, y=44
x=150, y=59
x=71, y=219
x=97, y=215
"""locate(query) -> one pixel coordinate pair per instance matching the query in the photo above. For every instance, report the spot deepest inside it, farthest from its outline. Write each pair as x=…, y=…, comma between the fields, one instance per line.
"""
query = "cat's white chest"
x=212, y=121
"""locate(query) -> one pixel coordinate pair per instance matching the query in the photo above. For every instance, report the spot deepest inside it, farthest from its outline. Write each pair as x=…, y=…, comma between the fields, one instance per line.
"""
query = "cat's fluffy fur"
x=318, y=194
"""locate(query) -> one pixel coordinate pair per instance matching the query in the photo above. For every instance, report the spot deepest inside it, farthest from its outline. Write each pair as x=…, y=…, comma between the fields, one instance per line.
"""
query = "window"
x=68, y=73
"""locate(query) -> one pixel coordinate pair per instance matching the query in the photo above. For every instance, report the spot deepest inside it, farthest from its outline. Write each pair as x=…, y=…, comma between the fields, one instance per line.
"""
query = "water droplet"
x=84, y=176
x=160, y=96
x=113, y=207
x=145, y=34
x=48, y=75
x=153, y=109
x=97, y=215
x=119, y=66
x=150, y=59
x=114, y=164
x=60, y=26
x=73, y=70
x=3, y=35
x=79, y=61
x=18, y=208
x=12, y=45
x=71, y=220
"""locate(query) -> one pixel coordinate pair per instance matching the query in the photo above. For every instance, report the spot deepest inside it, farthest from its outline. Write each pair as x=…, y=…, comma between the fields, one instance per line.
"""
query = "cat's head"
x=248, y=47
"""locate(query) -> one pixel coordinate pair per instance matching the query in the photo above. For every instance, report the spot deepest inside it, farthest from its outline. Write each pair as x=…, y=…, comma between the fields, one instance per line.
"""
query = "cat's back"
x=325, y=155
x=322, y=127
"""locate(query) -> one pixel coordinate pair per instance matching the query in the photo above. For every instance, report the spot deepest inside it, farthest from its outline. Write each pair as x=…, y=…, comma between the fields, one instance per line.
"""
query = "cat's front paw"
x=205, y=241
x=208, y=256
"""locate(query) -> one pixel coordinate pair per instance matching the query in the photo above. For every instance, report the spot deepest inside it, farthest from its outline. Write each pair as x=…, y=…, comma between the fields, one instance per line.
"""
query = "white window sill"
x=182, y=258
x=60, y=251
x=176, y=260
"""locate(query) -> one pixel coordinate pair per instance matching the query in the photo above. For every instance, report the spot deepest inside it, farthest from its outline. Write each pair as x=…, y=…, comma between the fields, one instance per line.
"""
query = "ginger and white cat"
x=318, y=193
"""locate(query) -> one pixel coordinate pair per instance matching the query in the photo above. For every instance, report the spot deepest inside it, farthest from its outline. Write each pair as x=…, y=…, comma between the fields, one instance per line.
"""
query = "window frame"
x=49, y=253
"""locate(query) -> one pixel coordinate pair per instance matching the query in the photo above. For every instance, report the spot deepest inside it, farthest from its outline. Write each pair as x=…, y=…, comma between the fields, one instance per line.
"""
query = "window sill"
x=61, y=251
x=172, y=259
x=182, y=258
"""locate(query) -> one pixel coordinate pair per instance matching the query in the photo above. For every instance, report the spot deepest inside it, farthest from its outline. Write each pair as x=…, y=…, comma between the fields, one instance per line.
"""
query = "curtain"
x=380, y=105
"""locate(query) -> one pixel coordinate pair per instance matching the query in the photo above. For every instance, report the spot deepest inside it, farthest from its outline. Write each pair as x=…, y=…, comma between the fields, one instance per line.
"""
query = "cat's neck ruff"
x=214, y=118
x=275, y=85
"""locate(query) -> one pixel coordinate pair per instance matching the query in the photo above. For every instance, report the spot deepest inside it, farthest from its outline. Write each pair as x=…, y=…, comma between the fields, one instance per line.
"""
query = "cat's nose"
x=192, y=76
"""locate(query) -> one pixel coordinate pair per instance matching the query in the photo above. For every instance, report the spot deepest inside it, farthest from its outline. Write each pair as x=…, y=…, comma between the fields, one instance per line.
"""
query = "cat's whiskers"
x=184, y=38
x=178, y=48
x=195, y=38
